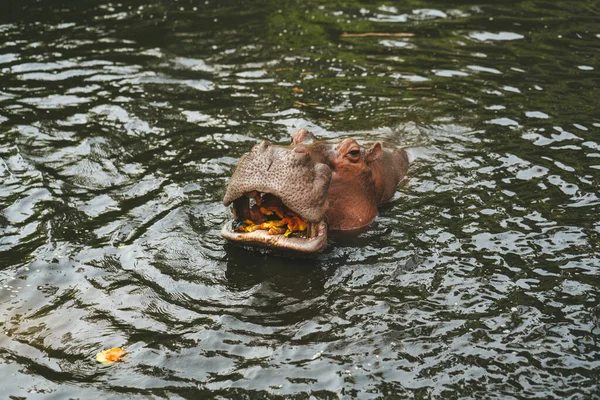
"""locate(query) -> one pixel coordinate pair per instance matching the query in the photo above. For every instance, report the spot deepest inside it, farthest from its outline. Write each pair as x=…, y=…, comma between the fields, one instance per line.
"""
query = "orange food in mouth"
x=285, y=225
x=272, y=210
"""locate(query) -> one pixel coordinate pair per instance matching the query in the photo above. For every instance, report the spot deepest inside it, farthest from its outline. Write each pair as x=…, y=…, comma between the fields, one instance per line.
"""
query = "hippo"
x=288, y=197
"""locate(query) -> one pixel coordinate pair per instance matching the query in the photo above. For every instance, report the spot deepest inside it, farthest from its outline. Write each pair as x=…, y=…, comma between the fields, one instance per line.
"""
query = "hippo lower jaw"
x=262, y=238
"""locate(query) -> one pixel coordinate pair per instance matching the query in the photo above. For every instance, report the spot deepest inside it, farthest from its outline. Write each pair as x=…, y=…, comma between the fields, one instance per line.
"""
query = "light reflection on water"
x=121, y=125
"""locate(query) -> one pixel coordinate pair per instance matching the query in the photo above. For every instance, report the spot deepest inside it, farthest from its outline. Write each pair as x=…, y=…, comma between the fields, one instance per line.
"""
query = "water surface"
x=120, y=124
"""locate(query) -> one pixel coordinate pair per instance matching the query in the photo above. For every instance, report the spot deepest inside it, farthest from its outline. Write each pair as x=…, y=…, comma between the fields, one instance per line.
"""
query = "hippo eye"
x=354, y=152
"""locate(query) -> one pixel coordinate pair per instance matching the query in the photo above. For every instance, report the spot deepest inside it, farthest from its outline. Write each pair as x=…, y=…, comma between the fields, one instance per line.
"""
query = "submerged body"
x=302, y=190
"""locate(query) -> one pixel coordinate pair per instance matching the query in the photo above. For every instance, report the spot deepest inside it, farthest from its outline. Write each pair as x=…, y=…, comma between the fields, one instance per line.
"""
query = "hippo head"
x=287, y=197
x=289, y=184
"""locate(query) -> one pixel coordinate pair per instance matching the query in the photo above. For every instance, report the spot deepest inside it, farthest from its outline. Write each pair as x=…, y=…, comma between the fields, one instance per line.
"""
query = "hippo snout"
x=279, y=198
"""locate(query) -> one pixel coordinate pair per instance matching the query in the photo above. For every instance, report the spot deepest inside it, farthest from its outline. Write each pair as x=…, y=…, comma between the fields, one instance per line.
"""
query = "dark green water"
x=121, y=122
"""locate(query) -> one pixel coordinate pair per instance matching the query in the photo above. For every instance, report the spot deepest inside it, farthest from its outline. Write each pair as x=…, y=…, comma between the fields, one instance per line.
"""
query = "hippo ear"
x=373, y=153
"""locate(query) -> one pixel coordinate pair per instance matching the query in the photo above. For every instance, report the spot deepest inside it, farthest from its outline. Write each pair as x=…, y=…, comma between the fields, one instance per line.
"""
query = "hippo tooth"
x=314, y=230
x=241, y=208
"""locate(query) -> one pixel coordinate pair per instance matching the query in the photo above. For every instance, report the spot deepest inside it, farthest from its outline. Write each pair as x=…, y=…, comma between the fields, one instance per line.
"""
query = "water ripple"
x=121, y=124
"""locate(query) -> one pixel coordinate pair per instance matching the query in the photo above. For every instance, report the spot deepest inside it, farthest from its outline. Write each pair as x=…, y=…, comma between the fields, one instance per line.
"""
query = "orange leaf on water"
x=111, y=355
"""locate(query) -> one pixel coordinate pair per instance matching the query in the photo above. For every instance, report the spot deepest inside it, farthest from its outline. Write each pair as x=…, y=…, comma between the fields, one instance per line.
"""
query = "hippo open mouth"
x=261, y=219
x=279, y=200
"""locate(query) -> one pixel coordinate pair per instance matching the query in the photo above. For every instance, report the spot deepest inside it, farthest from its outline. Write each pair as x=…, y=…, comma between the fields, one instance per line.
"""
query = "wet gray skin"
x=295, y=179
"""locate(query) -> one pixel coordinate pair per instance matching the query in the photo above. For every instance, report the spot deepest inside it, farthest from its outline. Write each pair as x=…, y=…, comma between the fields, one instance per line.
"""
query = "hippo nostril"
x=263, y=146
x=303, y=136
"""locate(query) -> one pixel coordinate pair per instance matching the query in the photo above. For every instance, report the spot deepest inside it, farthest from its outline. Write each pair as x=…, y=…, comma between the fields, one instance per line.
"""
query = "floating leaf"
x=301, y=104
x=111, y=355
